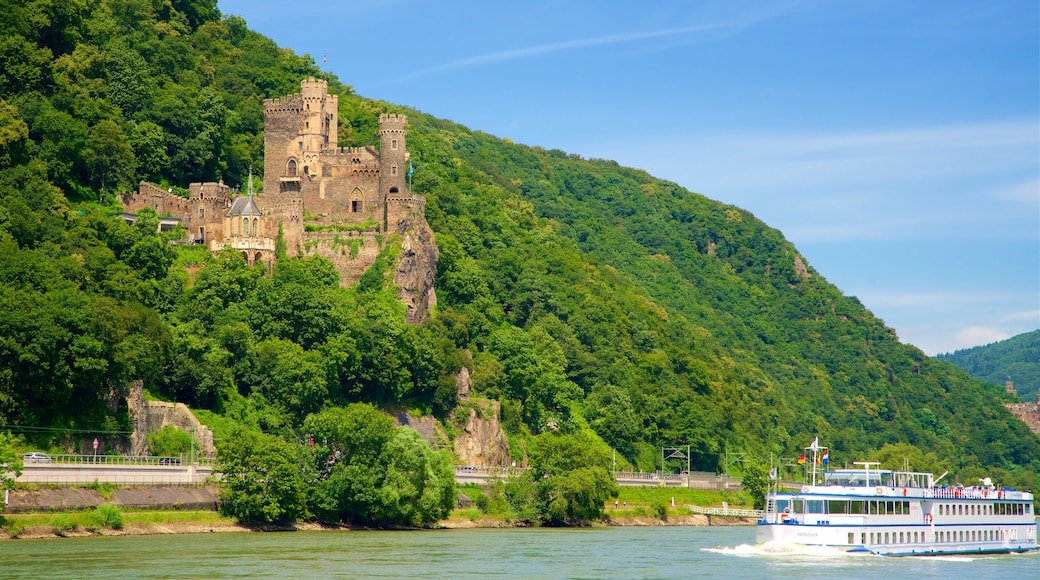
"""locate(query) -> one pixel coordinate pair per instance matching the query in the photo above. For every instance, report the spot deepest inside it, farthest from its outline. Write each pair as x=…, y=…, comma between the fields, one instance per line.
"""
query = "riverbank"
x=163, y=522
x=53, y=512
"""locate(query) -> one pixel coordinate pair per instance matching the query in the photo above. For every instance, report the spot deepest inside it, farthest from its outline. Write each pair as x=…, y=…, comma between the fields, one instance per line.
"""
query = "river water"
x=626, y=552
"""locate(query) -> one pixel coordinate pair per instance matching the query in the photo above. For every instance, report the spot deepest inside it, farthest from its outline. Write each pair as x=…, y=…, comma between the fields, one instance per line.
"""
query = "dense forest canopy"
x=1016, y=359
x=589, y=298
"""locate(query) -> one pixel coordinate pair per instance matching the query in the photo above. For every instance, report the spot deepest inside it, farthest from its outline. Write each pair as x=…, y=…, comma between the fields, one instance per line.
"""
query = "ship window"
x=798, y=506
x=837, y=507
x=851, y=536
x=863, y=538
x=900, y=537
x=782, y=504
x=873, y=507
x=857, y=507
x=814, y=506
x=886, y=537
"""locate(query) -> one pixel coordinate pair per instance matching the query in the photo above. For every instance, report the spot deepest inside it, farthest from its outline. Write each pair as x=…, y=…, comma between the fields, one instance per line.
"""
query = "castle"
x=1028, y=413
x=317, y=193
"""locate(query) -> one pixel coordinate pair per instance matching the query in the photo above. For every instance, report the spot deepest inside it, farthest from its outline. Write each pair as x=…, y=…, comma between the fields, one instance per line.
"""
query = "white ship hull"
x=895, y=513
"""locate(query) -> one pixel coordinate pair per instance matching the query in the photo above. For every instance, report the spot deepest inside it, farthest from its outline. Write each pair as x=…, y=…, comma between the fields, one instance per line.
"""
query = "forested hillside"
x=586, y=297
x=1017, y=358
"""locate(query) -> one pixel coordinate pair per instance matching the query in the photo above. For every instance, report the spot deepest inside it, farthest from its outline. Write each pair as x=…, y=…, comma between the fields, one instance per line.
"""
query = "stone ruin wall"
x=336, y=248
x=149, y=416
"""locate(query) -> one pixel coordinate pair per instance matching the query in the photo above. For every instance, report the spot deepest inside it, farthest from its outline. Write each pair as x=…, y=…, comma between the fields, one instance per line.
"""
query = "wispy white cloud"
x=1024, y=191
x=976, y=335
x=1029, y=316
x=730, y=25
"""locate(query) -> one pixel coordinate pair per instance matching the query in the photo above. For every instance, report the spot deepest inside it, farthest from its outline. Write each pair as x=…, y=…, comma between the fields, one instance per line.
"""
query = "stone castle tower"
x=309, y=179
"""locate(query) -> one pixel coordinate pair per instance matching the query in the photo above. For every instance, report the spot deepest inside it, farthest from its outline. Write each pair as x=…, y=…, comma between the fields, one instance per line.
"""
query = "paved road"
x=66, y=474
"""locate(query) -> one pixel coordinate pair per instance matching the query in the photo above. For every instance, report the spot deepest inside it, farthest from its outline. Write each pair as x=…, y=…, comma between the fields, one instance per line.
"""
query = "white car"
x=36, y=457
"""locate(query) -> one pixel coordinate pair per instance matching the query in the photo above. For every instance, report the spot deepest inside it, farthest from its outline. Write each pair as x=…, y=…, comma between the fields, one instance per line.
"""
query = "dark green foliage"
x=265, y=479
x=371, y=472
x=568, y=481
x=169, y=442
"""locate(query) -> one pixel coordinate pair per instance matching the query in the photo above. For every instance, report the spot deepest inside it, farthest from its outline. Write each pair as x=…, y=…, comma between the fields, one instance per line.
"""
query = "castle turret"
x=393, y=160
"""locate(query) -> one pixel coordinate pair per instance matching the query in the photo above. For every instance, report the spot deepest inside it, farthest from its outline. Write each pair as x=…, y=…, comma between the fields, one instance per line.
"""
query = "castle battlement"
x=392, y=123
x=290, y=104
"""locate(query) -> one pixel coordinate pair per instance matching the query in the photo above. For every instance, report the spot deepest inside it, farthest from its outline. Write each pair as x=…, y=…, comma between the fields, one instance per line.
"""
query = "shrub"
x=15, y=530
x=108, y=516
x=661, y=510
x=62, y=524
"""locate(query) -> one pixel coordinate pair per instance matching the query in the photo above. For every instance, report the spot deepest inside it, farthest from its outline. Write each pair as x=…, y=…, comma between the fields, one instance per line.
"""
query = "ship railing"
x=969, y=493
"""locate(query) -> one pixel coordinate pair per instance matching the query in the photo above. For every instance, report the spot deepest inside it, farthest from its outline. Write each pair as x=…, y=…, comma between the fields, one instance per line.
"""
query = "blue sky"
x=896, y=144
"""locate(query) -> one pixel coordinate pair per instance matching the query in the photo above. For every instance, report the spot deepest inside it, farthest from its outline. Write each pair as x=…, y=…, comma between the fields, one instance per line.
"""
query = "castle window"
x=202, y=234
x=306, y=170
x=393, y=143
x=307, y=124
x=355, y=206
x=202, y=212
x=290, y=169
x=393, y=190
x=256, y=227
x=393, y=169
x=245, y=226
x=300, y=143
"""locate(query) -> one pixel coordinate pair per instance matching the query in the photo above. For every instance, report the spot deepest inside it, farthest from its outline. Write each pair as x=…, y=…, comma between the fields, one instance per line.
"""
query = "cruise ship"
x=897, y=513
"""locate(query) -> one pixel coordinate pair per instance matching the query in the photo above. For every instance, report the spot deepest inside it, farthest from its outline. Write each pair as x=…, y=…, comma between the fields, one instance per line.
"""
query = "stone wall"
x=149, y=416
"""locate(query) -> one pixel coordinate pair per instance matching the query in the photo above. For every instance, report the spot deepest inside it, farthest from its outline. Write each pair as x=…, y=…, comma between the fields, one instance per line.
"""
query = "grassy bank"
x=635, y=506
x=112, y=521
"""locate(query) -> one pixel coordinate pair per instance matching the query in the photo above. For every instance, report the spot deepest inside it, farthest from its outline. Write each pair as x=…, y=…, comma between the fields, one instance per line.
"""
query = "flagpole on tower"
x=324, y=61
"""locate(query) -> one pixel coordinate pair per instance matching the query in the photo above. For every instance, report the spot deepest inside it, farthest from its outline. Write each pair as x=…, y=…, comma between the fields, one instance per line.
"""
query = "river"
x=625, y=552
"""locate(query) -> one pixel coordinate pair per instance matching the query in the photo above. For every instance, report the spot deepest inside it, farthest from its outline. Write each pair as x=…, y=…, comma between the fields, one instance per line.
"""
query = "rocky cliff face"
x=416, y=268
x=481, y=441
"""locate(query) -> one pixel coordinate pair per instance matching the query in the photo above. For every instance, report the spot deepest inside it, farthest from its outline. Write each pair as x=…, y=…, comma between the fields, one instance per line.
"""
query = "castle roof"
x=243, y=206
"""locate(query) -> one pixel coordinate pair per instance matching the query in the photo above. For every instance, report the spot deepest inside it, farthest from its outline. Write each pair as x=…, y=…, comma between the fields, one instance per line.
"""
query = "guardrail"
x=696, y=480
x=70, y=459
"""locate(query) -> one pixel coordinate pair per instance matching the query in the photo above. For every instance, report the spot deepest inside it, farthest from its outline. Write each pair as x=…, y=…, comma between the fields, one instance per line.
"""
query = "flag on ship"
x=826, y=456
x=772, y=473
x=815, y=444
x=801, y=459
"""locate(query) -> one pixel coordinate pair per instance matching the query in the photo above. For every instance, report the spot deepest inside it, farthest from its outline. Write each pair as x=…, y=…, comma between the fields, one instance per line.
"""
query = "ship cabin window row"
x=998, y=509
x=841, y=506
x=941, y=536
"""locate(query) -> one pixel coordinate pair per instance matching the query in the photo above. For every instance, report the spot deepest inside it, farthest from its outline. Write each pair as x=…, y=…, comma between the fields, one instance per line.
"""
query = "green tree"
x=169, y=442
x=109, y=156
x=265, y=479
x=10, y=460
x=375, y=473
x=570, y=477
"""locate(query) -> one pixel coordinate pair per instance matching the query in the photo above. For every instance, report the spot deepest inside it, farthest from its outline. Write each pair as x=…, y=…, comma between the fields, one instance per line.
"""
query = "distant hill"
x=1017, y=357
